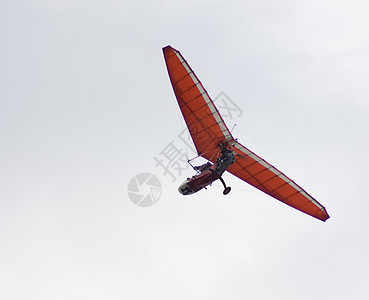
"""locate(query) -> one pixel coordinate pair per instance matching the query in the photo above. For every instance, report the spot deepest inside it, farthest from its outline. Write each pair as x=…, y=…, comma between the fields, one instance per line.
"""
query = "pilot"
x=203, y=167
x=225, y=160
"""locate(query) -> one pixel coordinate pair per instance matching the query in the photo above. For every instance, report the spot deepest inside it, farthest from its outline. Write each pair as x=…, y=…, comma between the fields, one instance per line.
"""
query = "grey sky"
x=86, y=104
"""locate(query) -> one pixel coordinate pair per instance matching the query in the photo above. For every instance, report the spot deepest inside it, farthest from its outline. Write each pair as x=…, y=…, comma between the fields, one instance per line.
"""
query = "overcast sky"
x=86, y=105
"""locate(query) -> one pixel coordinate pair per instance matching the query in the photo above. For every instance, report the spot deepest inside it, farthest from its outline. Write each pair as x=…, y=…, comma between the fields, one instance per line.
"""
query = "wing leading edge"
x=203, y=120
x=208, y=131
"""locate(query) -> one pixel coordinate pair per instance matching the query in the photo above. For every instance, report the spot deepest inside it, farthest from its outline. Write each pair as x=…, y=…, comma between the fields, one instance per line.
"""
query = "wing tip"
x=323, y=216
x=167, y=49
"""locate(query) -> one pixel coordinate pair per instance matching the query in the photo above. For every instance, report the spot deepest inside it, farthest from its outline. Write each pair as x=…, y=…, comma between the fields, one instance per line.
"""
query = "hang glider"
x=214, y=142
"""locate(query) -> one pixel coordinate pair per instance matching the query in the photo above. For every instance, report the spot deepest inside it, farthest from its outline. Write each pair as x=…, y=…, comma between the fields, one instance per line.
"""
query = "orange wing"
x=260, y=174
x=203, y=120
x=208, y=131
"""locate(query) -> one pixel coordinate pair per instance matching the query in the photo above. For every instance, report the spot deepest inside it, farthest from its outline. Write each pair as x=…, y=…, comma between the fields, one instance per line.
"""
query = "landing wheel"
x=226, y=190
